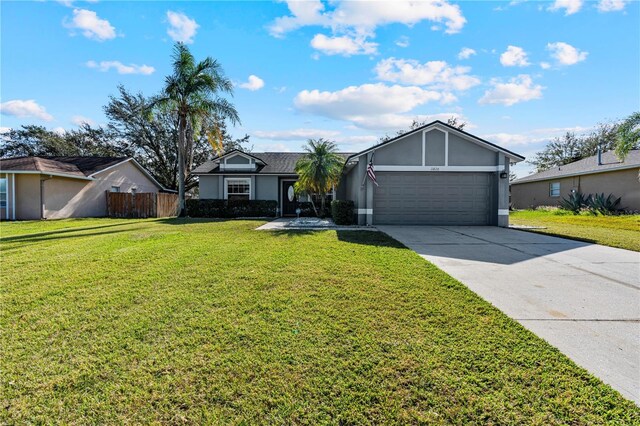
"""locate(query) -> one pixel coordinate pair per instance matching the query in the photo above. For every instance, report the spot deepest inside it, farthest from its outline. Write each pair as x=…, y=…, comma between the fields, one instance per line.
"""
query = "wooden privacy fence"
x=141, y=205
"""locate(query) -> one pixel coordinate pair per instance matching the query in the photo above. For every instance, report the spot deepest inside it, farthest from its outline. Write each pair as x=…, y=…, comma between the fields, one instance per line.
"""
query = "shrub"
x=231, y=208
x=605, y=206
x=576, y=202
x=342, y=212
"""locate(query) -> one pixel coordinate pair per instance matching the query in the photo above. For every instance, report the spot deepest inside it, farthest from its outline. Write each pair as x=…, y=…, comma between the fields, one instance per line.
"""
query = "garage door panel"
x=433, y=198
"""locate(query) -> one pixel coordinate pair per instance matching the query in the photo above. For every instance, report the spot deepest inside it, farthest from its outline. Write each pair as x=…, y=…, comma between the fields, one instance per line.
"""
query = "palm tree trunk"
x=322, y=203
x=181, y=144
x=315, y=210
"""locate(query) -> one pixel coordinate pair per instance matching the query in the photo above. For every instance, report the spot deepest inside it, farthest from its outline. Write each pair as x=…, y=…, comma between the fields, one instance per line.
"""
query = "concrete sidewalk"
x=582, y=298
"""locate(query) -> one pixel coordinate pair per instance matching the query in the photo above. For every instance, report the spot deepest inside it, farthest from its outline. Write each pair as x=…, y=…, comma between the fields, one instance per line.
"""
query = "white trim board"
x=365, y=211
x=37, y=172
x=390, y=168
x=503, y=212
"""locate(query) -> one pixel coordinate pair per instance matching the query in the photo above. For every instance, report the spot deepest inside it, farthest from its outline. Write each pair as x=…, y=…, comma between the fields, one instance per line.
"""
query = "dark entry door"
x=289, y=199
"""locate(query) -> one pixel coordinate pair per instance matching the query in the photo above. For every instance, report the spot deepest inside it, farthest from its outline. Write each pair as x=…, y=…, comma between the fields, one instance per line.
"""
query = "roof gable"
x=437, y=124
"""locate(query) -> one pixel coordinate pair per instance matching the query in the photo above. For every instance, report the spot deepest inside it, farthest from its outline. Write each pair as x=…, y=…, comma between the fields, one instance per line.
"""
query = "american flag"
x=371, y=173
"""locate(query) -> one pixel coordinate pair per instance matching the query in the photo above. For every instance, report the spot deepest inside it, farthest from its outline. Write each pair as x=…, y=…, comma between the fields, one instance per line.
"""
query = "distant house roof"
x=72, y=167
x=586, y=166
x=275, y=163
x=78, y=167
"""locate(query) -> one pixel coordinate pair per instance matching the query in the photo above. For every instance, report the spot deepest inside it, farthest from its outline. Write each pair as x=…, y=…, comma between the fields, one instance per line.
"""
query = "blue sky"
x=519, y=73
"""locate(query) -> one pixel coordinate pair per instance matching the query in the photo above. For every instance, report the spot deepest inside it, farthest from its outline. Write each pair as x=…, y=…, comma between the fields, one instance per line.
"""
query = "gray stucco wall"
x=266, y=188
x=465, y=153
x=262, y=187
x=237, y=159
x=621, y=183
x=406, y=152
x=209, y=188
x=434, y=148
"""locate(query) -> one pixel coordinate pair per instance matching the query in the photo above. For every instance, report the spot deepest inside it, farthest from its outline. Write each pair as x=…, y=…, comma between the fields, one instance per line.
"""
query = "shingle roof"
x=586, y=166
x=275, y=163
x=72, y=166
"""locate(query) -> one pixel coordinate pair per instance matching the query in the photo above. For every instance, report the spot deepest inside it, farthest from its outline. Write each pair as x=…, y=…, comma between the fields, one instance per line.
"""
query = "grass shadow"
x=38, y=235
x=39, y=239
x=371, y=238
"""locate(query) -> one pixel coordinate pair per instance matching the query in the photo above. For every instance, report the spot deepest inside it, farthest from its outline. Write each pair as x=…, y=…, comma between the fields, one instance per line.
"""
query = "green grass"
x=616, y=231
x=173, y=321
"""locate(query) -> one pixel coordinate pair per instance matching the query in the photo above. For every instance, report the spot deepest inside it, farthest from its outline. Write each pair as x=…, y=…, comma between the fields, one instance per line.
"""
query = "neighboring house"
x=62, y=187
x=433, y=175
x=597, y=174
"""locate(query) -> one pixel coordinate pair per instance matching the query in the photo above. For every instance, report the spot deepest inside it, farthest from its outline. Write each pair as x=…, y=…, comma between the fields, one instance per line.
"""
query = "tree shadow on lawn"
x=370, y=238
x=195, y=220
x=41, y=236
x=33, y=240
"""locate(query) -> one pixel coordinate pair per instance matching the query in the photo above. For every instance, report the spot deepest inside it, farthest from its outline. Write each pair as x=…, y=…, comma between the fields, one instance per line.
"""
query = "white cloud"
x=517, y=89
x=611, y=5
x=364, y=17
x=121, y=68
x=403, y=41
x=565, y=54
x=344, y=45
x=401, y=121
x=295, y=134
x=369, y=106
x=570, y=6
x=91, y=26
x=25, y=109
x=364, y=100
x=466, y=53
x=181, y=27
x=272, y=147
x=59, y=130
x=356, y=139
x=254, y=83
x=437, y=74
x=511, y=139
x=78, y=120
x=4, y=130
x=545, y=65
x=514, y=56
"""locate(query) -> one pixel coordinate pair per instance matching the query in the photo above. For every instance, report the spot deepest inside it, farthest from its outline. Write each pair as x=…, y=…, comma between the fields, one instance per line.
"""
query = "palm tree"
x=319, y=170
x=191, y=92
x=628, y=135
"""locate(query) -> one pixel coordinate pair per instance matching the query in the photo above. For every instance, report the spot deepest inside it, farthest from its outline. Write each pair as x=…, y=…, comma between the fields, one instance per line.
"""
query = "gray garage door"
x=433, y=198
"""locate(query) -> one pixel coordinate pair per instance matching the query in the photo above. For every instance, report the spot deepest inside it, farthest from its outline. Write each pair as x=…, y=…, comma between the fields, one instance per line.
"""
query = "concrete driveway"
x=582, y=298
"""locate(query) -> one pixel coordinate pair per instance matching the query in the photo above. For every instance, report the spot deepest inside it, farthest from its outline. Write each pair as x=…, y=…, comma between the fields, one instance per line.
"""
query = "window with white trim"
x=115, y=189
x=554, y=189
x=3, y=193
x=238, y=189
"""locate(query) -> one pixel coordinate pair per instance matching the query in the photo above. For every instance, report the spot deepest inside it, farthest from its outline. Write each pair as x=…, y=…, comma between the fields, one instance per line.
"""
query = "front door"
x=289, y=199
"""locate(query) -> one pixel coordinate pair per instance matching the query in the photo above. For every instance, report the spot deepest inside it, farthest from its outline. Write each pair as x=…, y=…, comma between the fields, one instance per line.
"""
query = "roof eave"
x=529, y=179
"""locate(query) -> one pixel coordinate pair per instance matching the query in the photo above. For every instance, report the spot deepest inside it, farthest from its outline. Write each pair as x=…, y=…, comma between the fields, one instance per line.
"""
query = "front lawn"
x=187, y=321
x=615, y=231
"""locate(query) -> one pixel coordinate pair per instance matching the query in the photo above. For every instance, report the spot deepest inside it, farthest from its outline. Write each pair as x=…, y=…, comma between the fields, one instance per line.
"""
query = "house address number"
x=435, y=169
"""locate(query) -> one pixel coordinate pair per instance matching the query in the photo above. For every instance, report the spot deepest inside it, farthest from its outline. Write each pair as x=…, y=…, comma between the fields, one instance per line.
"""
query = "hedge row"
x=232, y=208
x=341, y=211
